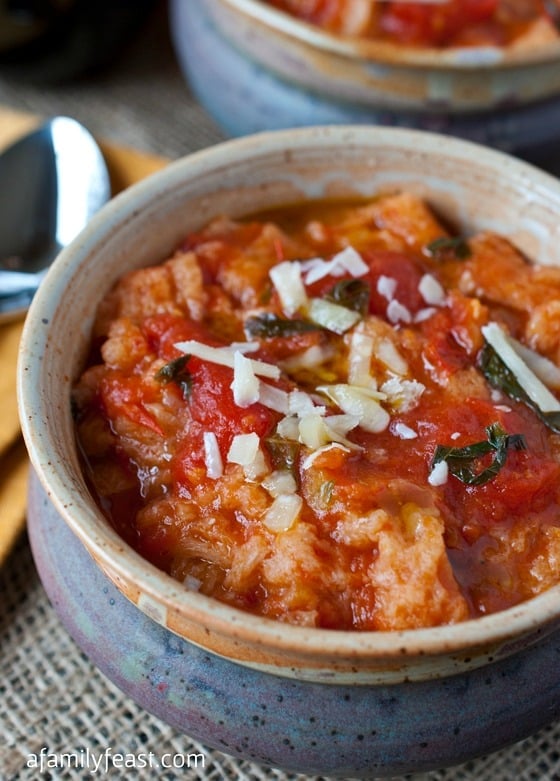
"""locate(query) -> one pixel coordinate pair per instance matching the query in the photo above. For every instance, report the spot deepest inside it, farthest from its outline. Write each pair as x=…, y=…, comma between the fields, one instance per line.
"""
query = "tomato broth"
x=338, y=415
x=439, y=25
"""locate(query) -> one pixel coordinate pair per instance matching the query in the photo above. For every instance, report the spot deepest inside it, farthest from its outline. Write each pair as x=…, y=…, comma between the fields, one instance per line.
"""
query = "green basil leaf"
x=502, y=378
x=551, y=419
x=458, y=245
x=463, y=461
x=351, y=293
x=283, y=452
x=268, y=325
x=176, y=371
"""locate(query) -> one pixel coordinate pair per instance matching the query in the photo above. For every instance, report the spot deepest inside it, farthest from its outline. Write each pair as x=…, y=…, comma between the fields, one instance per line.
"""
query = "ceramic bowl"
x=255, y=68
x=468, y=185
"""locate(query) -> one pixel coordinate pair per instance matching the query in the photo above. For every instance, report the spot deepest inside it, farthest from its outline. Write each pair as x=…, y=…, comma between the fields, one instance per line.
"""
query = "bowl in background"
x=345, y=702
x=255, y=68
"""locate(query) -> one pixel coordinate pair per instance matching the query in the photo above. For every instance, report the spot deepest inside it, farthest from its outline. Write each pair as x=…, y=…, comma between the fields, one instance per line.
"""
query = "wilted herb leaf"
x=268, y=325
x=501, y=377
x=283, y=452
x=463, y=461
x=352, y=293
x=176, y=371
x=455, y=244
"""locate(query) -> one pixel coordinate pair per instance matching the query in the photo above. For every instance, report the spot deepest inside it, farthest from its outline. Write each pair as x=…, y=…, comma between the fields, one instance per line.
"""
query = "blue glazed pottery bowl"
x=312, y=728
x=254, y=68
x=357, y=703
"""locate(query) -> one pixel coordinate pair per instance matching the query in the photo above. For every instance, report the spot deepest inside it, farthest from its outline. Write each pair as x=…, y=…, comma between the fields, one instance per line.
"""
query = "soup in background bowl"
x=448, y=24
x=255, y=67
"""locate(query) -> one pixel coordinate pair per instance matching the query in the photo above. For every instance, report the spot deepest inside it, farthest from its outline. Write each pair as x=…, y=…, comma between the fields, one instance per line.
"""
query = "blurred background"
x=139, y=72
x=109, y=63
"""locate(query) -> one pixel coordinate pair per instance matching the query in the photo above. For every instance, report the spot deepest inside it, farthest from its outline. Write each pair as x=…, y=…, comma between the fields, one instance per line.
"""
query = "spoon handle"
x=15, y=282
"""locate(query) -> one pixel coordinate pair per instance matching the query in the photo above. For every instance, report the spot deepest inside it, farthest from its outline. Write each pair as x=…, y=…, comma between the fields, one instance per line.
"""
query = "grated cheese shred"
x=245, y=384
x=347, y=261
x=531, y=384
x=212, y=456
x=225, y=356
x=288, y=283
x=283, y=512
x=439, y=474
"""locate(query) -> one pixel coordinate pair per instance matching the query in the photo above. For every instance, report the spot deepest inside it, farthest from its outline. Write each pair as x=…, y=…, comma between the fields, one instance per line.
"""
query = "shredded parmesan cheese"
x=348, y=261
x=387, y=353
x=286, y=278
x=343, y=423
x=288, y=427
x=401, y=394
x=431, y=291
x=273, y=398
x=424, y=314
x=283, y=512
x=316, y=431
x=439, y=474
x=225, y=356
x=359, y=360
x=311, y=358
x=244, y=347
x=300, y=403
x=212, y=456
x=386, y=287
x=546, y=370
x=398, y=313
x=333, y=317
x=257, y=467
x=531, y=384
x=245, y=385
x=402, y=431
x=360, y=402
x=243, y=449
x=280, y=482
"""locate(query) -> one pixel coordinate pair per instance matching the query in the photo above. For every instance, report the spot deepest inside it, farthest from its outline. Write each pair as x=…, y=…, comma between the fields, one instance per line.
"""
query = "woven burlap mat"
x=50, y=695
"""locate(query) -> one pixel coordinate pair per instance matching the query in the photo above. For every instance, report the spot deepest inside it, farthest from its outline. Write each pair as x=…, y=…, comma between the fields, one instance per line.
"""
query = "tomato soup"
x=338, y=415
x=440, y=25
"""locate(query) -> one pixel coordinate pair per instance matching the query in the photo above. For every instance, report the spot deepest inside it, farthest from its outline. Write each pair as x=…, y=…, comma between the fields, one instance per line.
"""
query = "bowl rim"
x=108, y=548
x=456, y=58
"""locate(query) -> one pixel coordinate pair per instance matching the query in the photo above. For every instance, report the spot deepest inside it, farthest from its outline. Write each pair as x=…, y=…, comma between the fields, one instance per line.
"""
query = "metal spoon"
x=52, y=181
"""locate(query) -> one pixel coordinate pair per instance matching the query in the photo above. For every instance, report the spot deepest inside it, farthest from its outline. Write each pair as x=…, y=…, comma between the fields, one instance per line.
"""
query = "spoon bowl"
x=52, y=181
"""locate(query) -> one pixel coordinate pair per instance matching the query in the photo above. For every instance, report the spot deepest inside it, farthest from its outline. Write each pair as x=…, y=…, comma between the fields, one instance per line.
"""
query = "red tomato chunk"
x=314, y=416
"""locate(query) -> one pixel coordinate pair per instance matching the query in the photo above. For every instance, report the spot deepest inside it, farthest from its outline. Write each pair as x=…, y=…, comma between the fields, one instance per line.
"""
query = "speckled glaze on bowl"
x=466, y=184
x=311, y=728
x=256, y=69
